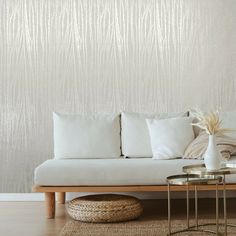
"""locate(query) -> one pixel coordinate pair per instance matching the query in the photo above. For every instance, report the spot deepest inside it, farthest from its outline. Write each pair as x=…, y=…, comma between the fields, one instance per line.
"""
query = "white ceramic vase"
x=212, y=156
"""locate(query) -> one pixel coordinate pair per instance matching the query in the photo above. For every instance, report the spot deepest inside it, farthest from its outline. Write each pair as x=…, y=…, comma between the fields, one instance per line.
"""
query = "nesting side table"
x=201, y=171
x=192, y=180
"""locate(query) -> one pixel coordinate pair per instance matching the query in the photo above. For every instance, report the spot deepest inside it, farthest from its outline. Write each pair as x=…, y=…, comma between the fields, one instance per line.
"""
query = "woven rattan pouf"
x=104, y=208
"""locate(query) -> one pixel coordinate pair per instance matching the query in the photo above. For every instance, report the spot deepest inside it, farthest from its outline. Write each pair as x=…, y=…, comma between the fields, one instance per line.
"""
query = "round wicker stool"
x=104, y=208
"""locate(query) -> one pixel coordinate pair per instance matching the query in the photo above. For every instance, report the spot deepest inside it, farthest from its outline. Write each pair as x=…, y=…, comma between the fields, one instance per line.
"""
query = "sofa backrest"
x=91, y=136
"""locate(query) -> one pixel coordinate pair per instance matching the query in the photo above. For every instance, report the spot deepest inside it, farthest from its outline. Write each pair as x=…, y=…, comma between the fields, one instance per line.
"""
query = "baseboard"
x=40, y=196
x=14, y=197
x=158, y=195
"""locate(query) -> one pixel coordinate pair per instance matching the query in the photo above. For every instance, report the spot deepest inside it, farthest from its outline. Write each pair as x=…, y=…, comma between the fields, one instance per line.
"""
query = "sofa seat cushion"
x=95, y=172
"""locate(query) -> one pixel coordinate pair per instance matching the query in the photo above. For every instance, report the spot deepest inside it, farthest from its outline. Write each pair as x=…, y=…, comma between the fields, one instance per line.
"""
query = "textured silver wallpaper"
x=106, y=55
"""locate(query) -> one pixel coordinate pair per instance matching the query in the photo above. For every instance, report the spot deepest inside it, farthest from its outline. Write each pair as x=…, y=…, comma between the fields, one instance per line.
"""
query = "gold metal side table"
x=227, y=169
x=192, y=180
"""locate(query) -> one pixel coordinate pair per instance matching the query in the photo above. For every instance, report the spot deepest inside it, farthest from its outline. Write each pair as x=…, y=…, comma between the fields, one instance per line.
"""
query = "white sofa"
x=80, y=171
x=111, y=172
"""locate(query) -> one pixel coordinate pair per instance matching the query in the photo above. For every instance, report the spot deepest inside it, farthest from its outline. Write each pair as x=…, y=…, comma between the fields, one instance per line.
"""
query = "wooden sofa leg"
x=61, y=197
x=50, y=205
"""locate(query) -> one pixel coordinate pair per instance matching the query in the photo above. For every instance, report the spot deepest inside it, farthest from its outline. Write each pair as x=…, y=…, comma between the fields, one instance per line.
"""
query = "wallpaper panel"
x=105, y=56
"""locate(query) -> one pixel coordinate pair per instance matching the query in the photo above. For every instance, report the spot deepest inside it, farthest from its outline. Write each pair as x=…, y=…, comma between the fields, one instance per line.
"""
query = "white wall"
x=89, y=56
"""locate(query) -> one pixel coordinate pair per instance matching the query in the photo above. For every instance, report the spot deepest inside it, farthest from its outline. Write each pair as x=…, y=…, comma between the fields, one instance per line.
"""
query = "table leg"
x=217, y=210
x=196, y=207
x=225, y=206
x=187, y=199
x=169, y=219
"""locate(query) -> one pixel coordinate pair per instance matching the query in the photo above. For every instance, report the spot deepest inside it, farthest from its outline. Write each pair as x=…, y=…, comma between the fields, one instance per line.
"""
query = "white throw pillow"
x=94, y=136
x=229, y=122
x=170, y=137
x=134, y=132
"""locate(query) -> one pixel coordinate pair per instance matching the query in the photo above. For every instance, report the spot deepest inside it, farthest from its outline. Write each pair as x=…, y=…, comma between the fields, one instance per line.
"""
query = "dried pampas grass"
x=210, y=122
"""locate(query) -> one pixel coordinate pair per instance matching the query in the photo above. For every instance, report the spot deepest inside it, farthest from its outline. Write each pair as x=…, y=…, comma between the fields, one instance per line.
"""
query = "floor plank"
x=27, y=218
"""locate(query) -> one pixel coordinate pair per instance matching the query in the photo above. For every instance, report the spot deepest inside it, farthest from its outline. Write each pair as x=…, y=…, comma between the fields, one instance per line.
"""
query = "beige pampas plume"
x=210, y=122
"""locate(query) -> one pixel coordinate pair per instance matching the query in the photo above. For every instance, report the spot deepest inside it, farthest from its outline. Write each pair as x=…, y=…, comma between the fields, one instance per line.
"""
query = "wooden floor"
x=27, y=218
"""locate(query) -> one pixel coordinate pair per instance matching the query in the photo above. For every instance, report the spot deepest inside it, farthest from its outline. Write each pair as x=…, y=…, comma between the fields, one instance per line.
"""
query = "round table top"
x=201, y=170
x=191, y=179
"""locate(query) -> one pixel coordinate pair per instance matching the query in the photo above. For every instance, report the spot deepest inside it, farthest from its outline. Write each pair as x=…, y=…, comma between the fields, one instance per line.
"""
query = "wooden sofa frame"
x=50, y=191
